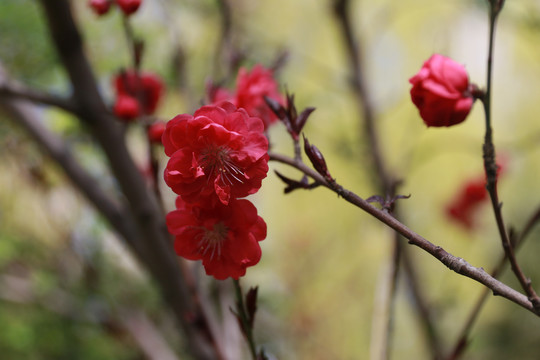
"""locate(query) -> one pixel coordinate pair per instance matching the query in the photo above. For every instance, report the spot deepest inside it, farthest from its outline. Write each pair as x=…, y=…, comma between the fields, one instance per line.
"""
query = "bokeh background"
x=324, y=265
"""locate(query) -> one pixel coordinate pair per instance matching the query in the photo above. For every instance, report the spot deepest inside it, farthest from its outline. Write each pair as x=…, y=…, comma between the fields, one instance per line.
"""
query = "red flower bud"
x=155, y=131
x=128, y=6
x=100, y=7
x=441, y=91
x=126, y=108
x=316, y=158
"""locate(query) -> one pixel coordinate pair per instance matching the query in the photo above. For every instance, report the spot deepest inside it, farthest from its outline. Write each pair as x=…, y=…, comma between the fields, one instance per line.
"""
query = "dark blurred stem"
x=491, y=167
x=365, y=104
x=130, y=40
x=421, y=306
x=242, y=314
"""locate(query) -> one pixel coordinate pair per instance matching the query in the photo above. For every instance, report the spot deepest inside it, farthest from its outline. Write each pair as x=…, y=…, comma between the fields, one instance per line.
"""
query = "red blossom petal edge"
x=441, y=91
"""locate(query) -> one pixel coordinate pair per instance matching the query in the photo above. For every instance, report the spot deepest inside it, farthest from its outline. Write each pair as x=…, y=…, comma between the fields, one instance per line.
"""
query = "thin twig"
x=461, y=342
x=241, y=312
x=491, y=167
x=454, y=263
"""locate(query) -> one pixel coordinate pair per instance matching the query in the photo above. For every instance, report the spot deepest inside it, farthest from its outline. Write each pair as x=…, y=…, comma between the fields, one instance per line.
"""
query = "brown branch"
x=422, y=308
x=27, y=116
x=360, y=88
x=154, y=244
x=454, y=263
x=16, y=90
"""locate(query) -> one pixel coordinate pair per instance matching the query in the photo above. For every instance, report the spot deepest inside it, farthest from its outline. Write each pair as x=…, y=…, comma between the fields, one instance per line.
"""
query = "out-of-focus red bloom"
x=100, y=7
x=146, y=88
x=129, y=6
x=225, y=238
x=251, y=88
x=126, y=108
x=469, y=198
x=155, y=131
x=441, y=91
x=218, y=153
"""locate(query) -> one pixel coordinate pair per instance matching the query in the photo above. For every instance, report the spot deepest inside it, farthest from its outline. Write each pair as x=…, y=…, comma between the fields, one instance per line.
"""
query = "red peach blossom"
x=441, y=91
x=100, y=7
x=155, y=131
x=225, y=238
x=218, y=153
x=129, y=6
x=252, y=87
x=126, y=108
x=147, y=88
x=465, y=205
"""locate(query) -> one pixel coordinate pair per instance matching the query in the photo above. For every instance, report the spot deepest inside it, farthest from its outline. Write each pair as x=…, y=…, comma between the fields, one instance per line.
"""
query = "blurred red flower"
x=128, y=7
x=251, y=88
x=466, y=203
x=146, y=88
x=100, y=7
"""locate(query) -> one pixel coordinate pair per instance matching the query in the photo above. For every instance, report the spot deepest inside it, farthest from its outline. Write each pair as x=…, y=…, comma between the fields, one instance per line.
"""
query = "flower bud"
x=441, y=91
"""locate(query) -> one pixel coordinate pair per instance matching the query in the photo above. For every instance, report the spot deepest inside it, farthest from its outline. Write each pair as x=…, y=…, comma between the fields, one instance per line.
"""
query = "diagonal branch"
x=16, y=90
x=454, y=263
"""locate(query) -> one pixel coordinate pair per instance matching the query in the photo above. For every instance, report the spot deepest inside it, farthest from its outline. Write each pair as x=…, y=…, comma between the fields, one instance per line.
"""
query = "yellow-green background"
x=323, y=261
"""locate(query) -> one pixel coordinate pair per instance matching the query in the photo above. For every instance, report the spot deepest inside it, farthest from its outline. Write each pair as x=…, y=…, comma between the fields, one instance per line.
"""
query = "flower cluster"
x=251, y=89
x=136, y=94
x=217, y=156
x=101, y=7
x=441, y=92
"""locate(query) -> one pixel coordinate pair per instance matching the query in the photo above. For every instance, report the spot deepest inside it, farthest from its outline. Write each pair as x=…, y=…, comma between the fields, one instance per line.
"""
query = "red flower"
x=145, y=88
x=100, y=7
x=251, y=88
x=218, y=153
x=155, y=131
x=465, y=204
x=129, y=6
x=225, y=238
x=126, y=108
x=441, y=91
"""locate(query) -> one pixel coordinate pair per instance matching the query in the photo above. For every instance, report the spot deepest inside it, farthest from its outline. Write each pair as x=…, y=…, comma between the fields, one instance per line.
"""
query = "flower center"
x=216, y=160
x=211, y=240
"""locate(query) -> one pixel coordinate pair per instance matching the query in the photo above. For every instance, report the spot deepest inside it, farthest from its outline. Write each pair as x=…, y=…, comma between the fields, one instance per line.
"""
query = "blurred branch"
x=359, y=86
x=154, y=245
x=27, y=115
x=454, y=263
x=422, y=307
x=16, y=90
x=383, y=179
x=135, y=322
